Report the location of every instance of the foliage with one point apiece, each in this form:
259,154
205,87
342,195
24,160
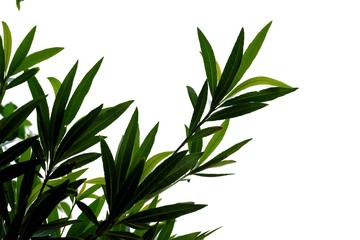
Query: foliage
41,175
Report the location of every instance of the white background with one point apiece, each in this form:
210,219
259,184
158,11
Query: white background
299,176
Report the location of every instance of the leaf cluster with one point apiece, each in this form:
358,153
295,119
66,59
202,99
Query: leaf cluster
41,176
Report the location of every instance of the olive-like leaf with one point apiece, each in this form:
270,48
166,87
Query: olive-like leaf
55,83
21,52
88,212
80,93
37,57
122,235
163,213
213,174
152,162
26,76
2,62
209,61
204,133
7,44
167,229
236,111
82,159
88,192
192,95
199,108
250,53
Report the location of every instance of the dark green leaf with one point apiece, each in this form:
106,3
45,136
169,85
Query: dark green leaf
151,233
213,174
199,108
37,57
163,213
61,170
231,67
88,212
82,159
124,152
82,145
2,62
89,191
192,95
152,162
80,93
26,76
250,53
214,141
221,156
15,151
189,236
11,123
21,52
209,61
259,96
76,131
122,235
236,111
110,173
7,44
57,114
63,222
204,133
167,229
205,234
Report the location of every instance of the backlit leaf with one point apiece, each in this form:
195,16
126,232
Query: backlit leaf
7,44
55,83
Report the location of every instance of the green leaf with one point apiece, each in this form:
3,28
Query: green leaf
167,229
7,44
65,207
80,93
8,109
144,150
250,53
57,114
110,173
236,111
122,235
152,162
82,159
88,192
259,96
258,81
151,233
189,236
76,131
214,141
204,133
26,76
231,67
98,180
192,95
2,62
61,170
213,174
221,156
163,213
209,61
125,148
10,124
82,145
199,108
37,57
88,212
16,150
57,224
55,83
21,52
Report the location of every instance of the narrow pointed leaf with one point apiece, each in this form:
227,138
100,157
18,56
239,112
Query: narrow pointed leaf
213,174
259,96
250,53
236,111
57,224
88,192
152,162
231,67
221,156
80,93
209,61
61,171
199,108
37,57
122,235
15,151
21,52
189,236
2,62
125,149
204,133
11,123
88,212
258,81
7,44
26,76
167,229
163,213
76,131
151,233
192,95
82,145
214,141
82,159
55,83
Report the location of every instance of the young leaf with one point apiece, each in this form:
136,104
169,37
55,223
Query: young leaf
2,62
152,162
55,83
88,192
26,76
199,108
250,53
209,61
231,67
192,95
37,57
7,44
163,213
236,111
80,93
257,81
21,52
264,95
214,141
